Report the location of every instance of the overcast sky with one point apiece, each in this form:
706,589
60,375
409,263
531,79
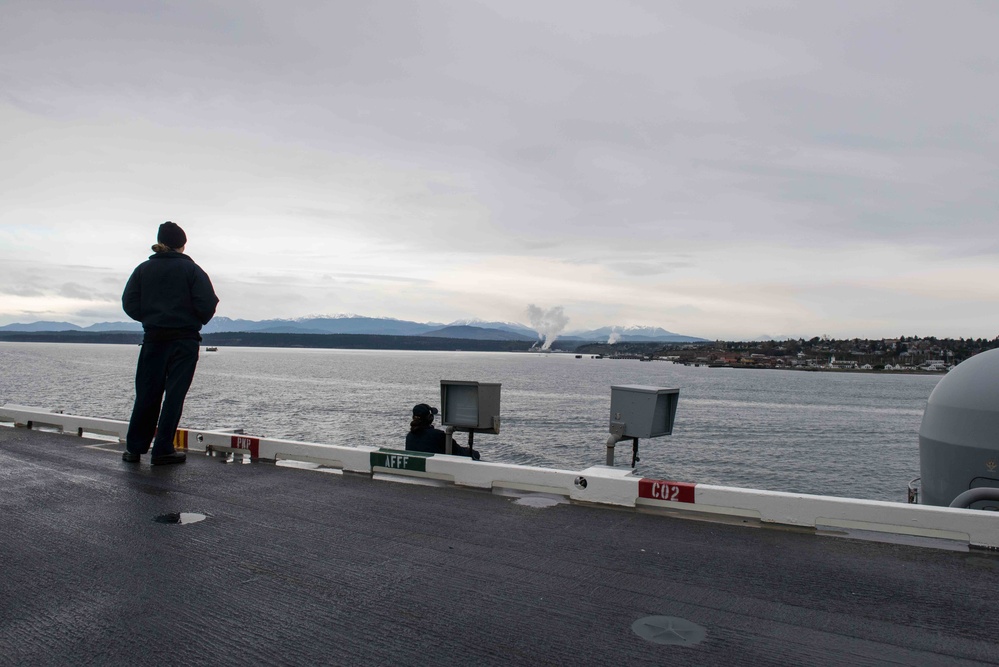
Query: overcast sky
718,169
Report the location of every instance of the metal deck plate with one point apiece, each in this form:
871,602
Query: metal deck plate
292,567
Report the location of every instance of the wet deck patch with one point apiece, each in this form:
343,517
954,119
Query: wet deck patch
539,500
669,630
180,517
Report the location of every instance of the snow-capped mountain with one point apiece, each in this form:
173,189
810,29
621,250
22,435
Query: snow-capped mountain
384,326
632,334
41,326
514,327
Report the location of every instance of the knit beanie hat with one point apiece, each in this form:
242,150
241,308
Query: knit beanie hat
171,235
423,410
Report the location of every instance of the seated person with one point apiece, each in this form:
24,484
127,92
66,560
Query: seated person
423,437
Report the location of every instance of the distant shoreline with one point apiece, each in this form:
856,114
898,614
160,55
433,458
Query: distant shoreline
376,342
313,341
838,370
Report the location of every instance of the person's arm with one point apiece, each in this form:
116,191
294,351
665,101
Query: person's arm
203,296
461,450
131,298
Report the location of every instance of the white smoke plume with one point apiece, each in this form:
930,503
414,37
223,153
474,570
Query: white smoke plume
548,323
613,338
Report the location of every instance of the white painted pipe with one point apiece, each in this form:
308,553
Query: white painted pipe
974,495
599,484
612,440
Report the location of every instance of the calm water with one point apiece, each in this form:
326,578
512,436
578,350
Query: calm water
851,435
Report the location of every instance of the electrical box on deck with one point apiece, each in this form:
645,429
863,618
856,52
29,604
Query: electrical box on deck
638,411
471,406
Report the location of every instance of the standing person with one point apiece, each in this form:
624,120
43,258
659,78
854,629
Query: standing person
172,297
423,437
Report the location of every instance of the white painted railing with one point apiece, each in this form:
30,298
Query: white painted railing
599,485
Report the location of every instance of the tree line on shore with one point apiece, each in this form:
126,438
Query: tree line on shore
909,349
905,350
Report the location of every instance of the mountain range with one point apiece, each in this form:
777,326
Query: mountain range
356,324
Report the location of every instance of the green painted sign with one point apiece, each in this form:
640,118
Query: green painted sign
400,460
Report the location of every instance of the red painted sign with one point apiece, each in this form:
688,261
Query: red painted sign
250,444
660,489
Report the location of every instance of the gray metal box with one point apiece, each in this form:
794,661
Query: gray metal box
638,411
471,406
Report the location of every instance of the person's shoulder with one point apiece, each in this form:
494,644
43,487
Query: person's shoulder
417,441
141,266
184,263
194,266
170,254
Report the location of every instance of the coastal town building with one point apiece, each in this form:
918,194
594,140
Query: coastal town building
904,354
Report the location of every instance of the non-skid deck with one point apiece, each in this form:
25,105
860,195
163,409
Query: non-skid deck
302,567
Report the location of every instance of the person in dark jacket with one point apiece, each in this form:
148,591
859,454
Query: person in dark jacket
172,297
423,437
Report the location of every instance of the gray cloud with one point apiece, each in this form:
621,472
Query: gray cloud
374,277
21,290
103,315
692,143
647,268
77,291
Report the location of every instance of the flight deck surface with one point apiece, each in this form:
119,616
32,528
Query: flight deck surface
302,567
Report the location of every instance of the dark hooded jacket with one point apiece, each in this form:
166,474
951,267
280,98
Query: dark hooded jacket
433,441
171,295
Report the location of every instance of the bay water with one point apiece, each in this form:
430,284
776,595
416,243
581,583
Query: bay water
840,434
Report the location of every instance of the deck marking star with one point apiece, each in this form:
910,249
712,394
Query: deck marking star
669,630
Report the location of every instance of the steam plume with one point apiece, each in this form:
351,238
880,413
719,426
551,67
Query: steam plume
548,323
613,338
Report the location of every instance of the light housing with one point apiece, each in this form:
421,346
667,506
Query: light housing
471,406
640,411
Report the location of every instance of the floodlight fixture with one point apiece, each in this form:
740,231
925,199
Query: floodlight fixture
472,407
640,411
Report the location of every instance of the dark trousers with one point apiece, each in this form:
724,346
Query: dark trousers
162,376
